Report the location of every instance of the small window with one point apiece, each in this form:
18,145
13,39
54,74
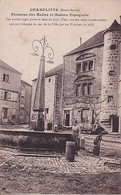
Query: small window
14,97
2,94
111,72
85,66
13,114
6,95
84,89
5,113
91,65
90,89
9,96
78,68
49,80
47,110
110,98
113,47
78,90
5,78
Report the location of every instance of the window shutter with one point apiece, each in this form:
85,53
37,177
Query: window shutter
2,77
9,96
16,97
2,94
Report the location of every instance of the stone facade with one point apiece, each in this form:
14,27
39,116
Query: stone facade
110,76
91,81
53,97
76,103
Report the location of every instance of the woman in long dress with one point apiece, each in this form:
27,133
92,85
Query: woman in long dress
75,134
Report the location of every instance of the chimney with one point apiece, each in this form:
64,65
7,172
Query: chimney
120,20
80,40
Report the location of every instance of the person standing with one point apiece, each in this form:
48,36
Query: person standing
75,135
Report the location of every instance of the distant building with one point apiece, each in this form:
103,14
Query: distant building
53,97
9,94
92,77
15,96
25,102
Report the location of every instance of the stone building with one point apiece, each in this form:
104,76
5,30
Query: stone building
91,81
53,97
9,94
25,102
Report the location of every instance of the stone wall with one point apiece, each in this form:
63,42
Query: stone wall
110,76
70,100
53,99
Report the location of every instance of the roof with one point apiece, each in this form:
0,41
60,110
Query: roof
114,26
25,83
96,40
53,71
5,66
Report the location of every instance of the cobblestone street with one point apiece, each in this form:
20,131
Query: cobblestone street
18,169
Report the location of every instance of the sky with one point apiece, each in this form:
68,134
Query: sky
16,41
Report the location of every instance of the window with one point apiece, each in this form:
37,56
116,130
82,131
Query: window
91,65
5,95
5,78
78,90
90,89
47,110
8,95
14,96
85,66
113,47
1,94
66,117
47,113
49,80
78,68
13,114
111,72
84,89
87,89
110,98
5,113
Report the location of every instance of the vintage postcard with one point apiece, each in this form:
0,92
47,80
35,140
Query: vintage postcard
60,97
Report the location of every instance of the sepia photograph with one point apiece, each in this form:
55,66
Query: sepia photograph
60,97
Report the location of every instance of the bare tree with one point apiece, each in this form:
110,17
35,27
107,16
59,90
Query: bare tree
95,107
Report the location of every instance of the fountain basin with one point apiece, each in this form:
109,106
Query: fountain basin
34,140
